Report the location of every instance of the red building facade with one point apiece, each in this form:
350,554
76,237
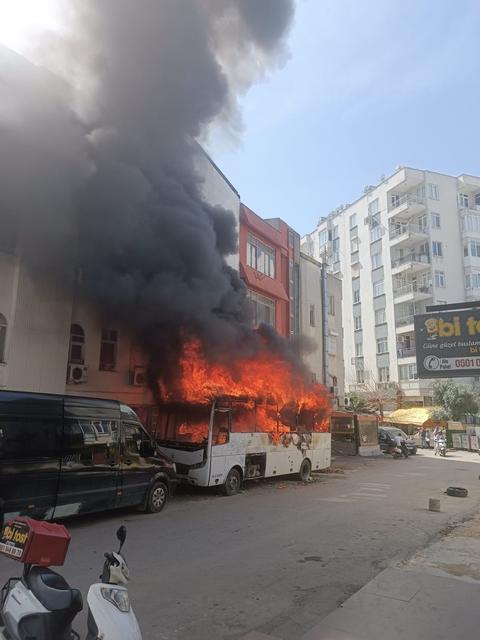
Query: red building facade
269,266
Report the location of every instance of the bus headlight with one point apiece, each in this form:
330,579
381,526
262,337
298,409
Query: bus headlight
118,597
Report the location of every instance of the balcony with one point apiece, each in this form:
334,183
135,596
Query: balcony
411,292
404,324
473,293
403,352
412,262
405,207
406,235
416,387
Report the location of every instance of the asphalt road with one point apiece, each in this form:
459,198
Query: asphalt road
279,556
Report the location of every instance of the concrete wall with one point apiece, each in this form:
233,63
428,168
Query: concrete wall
328,365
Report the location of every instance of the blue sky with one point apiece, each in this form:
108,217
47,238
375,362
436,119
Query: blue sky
368,85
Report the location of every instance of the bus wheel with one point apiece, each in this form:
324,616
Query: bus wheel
157,497
305,470
232,483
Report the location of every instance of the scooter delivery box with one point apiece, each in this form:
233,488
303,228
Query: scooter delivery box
34,542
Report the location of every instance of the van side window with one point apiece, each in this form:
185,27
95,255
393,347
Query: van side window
81,431
29,438
220,427
135,436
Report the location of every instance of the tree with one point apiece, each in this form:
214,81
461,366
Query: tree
454,400
375,397
357,403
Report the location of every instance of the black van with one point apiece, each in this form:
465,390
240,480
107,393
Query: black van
63,455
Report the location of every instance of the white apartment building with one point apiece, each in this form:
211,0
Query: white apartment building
411,241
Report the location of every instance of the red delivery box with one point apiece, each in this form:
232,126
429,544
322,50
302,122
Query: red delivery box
33,542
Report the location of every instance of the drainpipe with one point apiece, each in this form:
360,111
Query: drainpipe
324,295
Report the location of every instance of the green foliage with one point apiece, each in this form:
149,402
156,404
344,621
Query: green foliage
358,403
456,400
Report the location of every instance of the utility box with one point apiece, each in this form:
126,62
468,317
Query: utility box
33,542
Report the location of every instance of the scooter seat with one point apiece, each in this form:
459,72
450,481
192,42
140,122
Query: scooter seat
53,591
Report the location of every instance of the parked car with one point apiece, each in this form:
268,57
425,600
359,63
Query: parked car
387,435
64,455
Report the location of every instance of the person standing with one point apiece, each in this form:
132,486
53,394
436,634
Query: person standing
436,437
423,436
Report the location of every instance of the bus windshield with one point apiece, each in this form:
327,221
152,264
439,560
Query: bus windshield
183,424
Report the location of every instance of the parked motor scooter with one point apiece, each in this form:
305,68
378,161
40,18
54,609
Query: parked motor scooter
442,447
40,605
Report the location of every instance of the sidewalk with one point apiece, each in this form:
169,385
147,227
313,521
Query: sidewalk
432,596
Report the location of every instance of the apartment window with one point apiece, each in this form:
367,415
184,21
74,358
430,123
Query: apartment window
471,222
380,316
331,305
421,193
312,315
360,374
377,260
108,350
336,257
435,220
332,345
472,281
375,233
260,257
440,279
474,249
437,249
382,345
422,222
356,296
433,193
353,221
335,233
263,309
359,349
357,322
323,237
373,207
378,288
407,372
383,374
463,200
353,245
3,337
77,345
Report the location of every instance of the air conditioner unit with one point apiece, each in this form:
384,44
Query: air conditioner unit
138,377
76,373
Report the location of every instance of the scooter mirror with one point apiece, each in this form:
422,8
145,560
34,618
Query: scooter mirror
122,536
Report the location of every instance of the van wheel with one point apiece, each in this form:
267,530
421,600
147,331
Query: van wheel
157,497
233,483
305,470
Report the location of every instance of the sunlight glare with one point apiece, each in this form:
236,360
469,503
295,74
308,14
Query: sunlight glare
22,20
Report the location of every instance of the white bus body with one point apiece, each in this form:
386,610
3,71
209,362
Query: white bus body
254,454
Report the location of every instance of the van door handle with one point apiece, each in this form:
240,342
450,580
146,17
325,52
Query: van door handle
128,461
112,463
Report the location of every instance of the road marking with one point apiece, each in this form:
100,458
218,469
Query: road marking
376,484
367,495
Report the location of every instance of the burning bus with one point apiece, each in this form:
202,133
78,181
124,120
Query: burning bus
254,419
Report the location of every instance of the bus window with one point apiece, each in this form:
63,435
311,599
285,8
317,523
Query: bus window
243,417
267,418
220,427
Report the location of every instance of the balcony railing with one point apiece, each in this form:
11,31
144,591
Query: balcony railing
404,321
400,230
407,199
403,352
423,258
412,287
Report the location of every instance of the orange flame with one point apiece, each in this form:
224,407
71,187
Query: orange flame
265,380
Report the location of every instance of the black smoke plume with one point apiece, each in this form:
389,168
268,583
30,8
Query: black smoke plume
104,165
